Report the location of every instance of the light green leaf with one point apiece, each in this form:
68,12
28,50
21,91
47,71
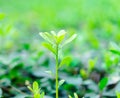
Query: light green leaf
70,39
118,94
47,37
61,36
114,48
42,95
65,61
69,96
49,47
30,88
2,15
35,86
83,73
75,95
103,83
37,96
61,82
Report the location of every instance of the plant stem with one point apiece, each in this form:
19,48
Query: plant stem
57,71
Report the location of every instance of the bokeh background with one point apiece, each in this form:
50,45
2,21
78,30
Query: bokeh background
23,58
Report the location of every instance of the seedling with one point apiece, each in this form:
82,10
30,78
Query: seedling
36,90
54,43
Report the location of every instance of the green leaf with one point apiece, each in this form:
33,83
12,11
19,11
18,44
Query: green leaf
37,96
42,95
83,73
49,47
60,36
65,61
69,96
70,39
2,15
118,94
61,82
75,95
47,37
30,88
114,48
103,83
35,86
92,64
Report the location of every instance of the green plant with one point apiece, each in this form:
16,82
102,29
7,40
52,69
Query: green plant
36,90
55,43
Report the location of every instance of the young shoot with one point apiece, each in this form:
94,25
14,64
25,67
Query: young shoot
54,43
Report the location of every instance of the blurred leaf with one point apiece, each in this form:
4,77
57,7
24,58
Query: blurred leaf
2,15
47,37
75,95
61,82
65,61
60,36
70,39
35,86
103,83
49,47
118,94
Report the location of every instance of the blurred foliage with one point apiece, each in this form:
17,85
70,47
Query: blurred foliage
95,52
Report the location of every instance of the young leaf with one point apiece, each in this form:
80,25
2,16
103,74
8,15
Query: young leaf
49,47
47,37
61,82
103,83
35,86
114,48
83,73
30,88
37,96
69,96
65,61
118,94
70,39
42,95
75,95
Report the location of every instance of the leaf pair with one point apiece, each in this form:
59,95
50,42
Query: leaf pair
36,90
75,96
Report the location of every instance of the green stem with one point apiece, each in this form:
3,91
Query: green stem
57,65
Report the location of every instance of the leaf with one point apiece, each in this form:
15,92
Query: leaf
75,95
61,82
35,86
83,73
47,37
118,94
91,64
114,48
50,73
70,39
49,47
69,96
2,15
37,96
30,88
60,36
103,83
65,61
42,95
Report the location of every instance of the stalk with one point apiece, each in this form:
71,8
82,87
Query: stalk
57,71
